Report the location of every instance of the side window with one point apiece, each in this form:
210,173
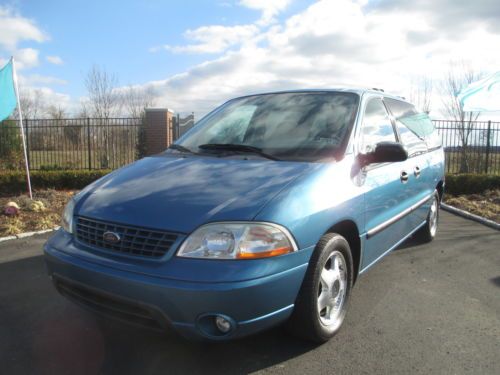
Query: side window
413,127
376,126
408,138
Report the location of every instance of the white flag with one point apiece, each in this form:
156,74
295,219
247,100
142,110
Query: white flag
482,96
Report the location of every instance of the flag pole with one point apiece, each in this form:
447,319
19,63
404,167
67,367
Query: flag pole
19,111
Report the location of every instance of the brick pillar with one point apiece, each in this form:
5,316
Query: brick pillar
159,129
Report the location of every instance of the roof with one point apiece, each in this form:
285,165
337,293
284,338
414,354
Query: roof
354,90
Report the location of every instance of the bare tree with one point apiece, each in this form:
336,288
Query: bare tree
70,131
84,111
135,100
103,99
32,104
56,112
103,102
421,93
458,77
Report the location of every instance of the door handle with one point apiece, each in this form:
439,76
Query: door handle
404,177
416,172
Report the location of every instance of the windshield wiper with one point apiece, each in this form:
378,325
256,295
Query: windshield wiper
237,148
180,148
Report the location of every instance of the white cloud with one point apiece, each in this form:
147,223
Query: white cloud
219,38
56,60
332,43
269,8
40,80
213,39
36,101
14,29
26,58
52,97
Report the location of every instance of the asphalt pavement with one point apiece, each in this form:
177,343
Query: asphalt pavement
424,309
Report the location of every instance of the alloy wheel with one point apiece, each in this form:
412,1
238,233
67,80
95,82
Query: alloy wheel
332,290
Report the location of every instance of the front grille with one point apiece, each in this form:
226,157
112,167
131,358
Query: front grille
134,241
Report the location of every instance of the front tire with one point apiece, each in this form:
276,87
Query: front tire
429,230
322,302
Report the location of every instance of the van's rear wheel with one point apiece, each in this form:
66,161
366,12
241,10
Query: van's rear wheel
429,230
322,301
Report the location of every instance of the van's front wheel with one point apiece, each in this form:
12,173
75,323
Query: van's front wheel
322,301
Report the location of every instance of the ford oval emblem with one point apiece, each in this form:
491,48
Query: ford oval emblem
111,237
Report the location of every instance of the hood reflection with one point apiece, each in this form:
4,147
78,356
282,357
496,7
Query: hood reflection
176,193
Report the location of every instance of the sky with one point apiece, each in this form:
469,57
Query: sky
197,54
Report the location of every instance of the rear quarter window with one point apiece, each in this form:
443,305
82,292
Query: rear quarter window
415,128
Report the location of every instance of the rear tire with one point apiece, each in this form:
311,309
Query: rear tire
322,302
429,230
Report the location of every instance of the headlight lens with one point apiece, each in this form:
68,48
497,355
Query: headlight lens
67,216
237,241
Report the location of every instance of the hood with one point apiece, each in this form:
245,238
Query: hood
175,193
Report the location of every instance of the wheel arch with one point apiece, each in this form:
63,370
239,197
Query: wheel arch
440,189
349,230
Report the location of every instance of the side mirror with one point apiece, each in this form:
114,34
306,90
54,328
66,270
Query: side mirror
385,152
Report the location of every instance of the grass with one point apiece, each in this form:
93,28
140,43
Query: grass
476,162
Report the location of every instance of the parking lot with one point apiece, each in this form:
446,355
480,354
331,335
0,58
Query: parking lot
423,309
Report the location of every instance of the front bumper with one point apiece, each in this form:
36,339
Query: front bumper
251,305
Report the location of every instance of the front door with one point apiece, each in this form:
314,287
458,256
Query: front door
386,186
408,123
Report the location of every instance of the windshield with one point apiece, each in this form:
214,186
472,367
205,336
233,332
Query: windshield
290,126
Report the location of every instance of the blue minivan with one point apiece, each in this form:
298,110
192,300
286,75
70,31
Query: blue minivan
266,212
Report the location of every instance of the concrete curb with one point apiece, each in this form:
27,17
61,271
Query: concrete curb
468,215
27,234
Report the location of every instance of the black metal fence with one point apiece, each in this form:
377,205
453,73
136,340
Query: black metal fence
182,125
84,143
470,147
91,143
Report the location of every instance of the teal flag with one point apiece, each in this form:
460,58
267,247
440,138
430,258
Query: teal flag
482,96
7,92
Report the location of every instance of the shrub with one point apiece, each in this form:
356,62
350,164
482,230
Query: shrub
11,155
14,182
52,167
457,184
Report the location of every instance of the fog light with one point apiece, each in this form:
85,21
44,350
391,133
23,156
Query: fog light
222,324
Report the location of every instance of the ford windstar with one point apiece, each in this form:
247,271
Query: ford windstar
267,211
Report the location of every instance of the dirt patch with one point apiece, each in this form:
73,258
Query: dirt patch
34,217
486,204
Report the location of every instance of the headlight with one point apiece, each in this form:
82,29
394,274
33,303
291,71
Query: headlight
237,241
67,216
